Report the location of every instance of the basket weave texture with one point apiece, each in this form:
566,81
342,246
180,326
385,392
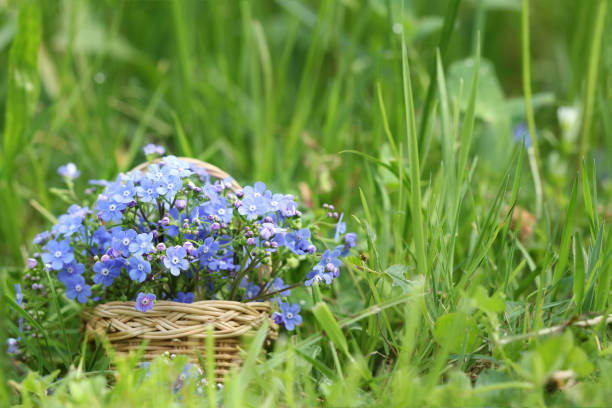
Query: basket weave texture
181,328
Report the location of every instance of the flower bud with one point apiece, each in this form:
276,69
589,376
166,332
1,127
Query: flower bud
249,234
250,241
181,204
31,263
268,219
161,246
274,244
165,221
155,233
104,258
266,244
188,246
215,226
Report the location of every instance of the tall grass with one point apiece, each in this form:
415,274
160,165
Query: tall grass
389,110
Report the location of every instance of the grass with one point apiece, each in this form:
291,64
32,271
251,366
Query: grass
482,267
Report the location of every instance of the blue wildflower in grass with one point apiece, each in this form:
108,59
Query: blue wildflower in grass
76,288
184,297
268,230
298,242
340,228
69,171
106,271
175,260
146,191
289,315
144,302
138,268
317,275
208,250
122,240
110,210
151,149
143,244
331,262
69,271
58,254
520,132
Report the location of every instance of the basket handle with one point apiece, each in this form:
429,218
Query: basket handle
210,169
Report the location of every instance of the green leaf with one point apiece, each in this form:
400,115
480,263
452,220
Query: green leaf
493,304
397,273
327,321
578,272
457,331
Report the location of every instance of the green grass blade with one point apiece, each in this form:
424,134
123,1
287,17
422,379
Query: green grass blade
415,171
565,239
447,29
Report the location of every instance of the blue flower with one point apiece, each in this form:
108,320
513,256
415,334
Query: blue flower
184,297
290,315
122,240
69,171
252,208
78,289
298,242
279,284
153,149
350,240
123,192
67,224
175,260
139,268
317,275
12,346
106,271
277,318
340,228
172,166
18,294
219,208
258,190
110,210
521,132
143,244
252,290
224,264
70,271
42,237
101,239
58,254
144,302
168,186
147,191
208,250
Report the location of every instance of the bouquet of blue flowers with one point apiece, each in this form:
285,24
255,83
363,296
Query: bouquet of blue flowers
172,231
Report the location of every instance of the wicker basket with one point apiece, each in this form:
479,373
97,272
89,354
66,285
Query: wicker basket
181,328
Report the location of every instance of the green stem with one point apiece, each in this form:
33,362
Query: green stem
533,150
